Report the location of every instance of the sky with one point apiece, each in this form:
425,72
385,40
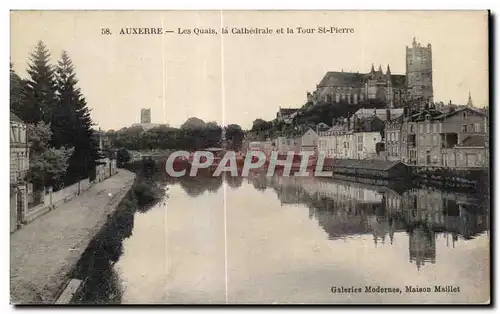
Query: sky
239,78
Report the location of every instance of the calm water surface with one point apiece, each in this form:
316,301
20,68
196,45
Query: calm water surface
290,239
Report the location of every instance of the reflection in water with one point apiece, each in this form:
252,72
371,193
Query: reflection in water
288,239
196,186
345,209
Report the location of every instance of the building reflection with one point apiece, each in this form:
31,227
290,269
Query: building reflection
346,209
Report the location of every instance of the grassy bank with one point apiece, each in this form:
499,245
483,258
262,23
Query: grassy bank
95,266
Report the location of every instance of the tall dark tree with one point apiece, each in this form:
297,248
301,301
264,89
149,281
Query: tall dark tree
64,121
17,86
235,135
72,124
39,101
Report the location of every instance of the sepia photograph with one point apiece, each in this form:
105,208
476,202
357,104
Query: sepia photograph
233,157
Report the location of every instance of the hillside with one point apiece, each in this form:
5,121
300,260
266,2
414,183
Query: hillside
325,112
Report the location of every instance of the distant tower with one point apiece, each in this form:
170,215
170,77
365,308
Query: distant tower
371,84
389,92
469,102
145,115
223,139
419,72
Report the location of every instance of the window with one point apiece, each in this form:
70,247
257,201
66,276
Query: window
428,128
434,128
15,133
477,127
421,129
411,128
463,128
464,115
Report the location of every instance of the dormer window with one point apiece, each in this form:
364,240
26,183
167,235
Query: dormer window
464,114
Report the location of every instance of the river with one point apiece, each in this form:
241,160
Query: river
215,240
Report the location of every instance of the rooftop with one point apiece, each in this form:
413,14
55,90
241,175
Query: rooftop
380,113
334,78
362,164
15,118
473,141
288,110
449,114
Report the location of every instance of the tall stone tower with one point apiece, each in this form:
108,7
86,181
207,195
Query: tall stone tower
390,96
419,73
145,115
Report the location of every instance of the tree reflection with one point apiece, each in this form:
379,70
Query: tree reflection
259,181
199,184
234,181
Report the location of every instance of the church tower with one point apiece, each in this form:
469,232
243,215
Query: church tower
419,73
390,99
371,84
469,102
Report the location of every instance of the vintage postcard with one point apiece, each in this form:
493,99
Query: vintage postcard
249,157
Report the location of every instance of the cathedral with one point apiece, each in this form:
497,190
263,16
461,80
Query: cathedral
391,90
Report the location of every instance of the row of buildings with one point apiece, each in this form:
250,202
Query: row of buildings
27,204
439,136
412,128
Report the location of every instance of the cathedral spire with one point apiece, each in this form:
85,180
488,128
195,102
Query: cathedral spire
373,69
388,70
469,102
380,68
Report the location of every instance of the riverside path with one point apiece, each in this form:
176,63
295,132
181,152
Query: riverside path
43,252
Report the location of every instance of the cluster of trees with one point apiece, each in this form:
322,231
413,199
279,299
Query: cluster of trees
262,130
193,134
63,148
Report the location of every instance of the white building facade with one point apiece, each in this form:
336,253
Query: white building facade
365,144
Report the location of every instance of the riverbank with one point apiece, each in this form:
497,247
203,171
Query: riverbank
95,268
44,251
